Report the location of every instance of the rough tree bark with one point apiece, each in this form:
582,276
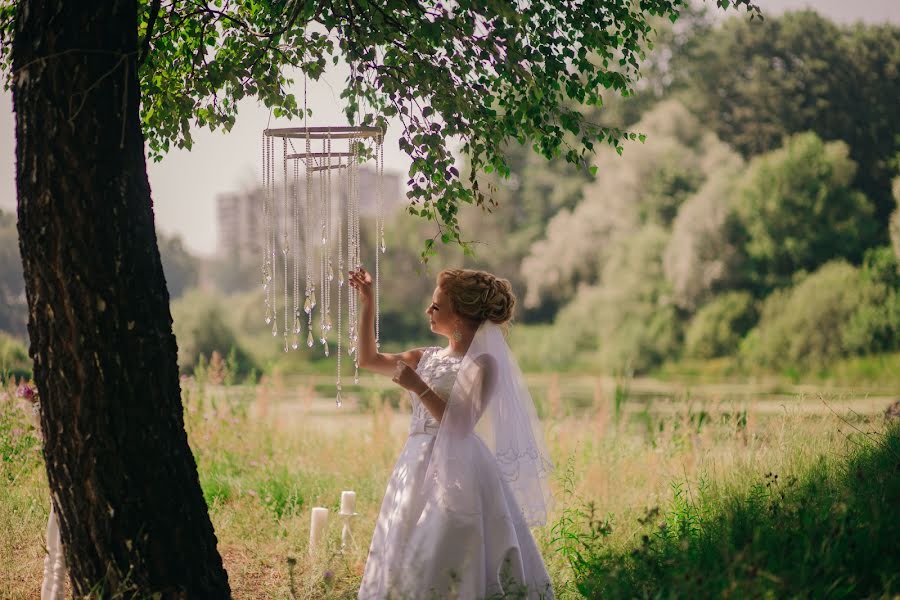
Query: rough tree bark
123,479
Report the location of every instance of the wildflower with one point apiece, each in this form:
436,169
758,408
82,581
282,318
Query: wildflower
27,392
328,577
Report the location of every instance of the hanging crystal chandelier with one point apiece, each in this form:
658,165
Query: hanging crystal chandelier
304,230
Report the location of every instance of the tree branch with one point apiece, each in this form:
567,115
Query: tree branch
151,23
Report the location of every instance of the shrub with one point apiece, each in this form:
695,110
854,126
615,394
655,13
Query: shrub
805,326
875,326
201,329
718,327
14,360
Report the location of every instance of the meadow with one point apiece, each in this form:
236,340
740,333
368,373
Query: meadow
662,489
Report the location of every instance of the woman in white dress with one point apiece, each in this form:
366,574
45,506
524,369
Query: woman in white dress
472,477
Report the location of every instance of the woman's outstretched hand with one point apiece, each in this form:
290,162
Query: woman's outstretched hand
361,280
406,377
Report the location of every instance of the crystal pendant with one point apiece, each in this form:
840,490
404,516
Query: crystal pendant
296,343
307,306
312,300
274,328
330,273
337,399
382,246
296,326
350,350
309,340
268,315
285,344
328,322
322,340
326,347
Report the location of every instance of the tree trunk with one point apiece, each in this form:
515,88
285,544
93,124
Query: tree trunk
122,477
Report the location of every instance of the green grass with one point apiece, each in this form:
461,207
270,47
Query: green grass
268,453
829,529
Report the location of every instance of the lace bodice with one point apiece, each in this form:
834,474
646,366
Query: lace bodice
438,369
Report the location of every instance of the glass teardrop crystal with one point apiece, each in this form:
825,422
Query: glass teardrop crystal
309,340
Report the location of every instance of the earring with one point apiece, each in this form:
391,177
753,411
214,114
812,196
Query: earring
457,334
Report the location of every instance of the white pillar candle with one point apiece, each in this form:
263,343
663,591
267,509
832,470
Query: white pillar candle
348,503
317,527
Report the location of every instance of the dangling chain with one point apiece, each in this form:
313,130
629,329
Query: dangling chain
296,262
285,215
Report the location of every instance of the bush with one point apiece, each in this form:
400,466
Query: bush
875,326
718,327
803,326
14,360
201,329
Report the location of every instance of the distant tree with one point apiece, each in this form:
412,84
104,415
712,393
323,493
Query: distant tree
755,83
895,220
705,252
626,320
13,309
179,266
798,210
646,185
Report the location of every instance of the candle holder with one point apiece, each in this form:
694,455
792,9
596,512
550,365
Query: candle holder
346,534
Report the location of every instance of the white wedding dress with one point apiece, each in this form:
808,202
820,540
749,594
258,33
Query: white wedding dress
419,550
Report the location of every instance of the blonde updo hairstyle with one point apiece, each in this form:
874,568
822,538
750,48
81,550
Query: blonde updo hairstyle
478,296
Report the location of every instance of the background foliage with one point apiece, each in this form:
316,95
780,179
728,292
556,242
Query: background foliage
763,172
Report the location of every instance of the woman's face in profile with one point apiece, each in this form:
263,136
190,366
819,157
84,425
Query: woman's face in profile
440,313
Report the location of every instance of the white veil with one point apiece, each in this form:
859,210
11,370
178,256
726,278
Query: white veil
489,398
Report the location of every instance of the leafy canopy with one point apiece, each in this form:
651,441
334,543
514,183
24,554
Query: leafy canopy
483,72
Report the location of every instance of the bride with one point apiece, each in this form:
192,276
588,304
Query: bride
472,476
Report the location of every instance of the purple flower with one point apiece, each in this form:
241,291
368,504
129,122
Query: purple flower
328,576
27,392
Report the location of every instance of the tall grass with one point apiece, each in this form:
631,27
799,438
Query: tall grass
268,453
825,527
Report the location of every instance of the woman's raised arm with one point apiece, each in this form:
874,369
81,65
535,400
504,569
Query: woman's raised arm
369,357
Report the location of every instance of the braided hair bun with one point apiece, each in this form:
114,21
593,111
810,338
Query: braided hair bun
478,295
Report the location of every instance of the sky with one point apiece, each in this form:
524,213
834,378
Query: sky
185,183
